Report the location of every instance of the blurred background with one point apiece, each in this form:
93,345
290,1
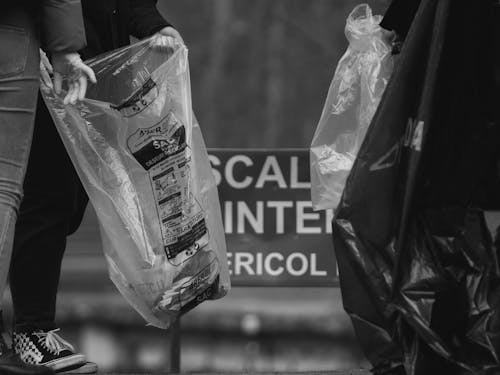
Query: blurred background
260,72
261,69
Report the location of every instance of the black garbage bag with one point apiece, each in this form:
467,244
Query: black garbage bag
419,272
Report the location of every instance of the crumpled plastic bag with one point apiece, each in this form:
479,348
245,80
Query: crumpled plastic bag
140,154
355,92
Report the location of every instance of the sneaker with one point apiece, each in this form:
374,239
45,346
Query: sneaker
11,364
46,348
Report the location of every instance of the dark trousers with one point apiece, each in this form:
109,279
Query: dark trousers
52,208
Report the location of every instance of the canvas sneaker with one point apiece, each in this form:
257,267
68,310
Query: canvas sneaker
46,348
11,364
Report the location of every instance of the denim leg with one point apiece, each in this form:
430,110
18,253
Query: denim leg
19,81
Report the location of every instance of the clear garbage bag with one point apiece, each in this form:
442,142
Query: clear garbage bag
140,154
359,81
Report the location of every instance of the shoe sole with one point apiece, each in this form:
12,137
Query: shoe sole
87,368
66,362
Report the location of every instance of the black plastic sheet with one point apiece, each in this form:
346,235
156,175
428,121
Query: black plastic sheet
418,268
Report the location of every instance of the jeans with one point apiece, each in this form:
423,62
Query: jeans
19,82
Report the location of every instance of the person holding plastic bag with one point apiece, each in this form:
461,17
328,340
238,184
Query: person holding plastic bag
355,92
140,155
55,200
62,27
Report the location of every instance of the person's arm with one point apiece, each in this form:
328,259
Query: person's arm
145,19
399,16
62,26
63,34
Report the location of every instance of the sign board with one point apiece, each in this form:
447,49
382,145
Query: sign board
274,238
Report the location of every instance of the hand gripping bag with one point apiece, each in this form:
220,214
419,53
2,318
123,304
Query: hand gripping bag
140,154
355,92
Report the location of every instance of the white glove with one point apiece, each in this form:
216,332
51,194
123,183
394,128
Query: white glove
167,40
171,32
45,70
71,67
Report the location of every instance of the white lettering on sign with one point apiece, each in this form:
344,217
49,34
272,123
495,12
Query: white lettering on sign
274,264
280,213
314,267
270,173
258,269
328,219
268,264
228,217
215,161
302,217
294,175
275,217
246,215
244,261
303,264
229,172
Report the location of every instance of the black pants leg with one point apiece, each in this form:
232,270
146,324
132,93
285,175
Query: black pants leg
52,207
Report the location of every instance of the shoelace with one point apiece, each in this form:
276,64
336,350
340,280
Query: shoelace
53,342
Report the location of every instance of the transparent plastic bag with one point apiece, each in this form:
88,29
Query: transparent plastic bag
139,152
360,79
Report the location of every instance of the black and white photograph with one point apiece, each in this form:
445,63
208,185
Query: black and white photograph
250,187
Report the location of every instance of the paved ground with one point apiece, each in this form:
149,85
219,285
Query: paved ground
346,372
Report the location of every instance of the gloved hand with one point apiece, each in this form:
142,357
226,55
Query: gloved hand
71,67
167,39
171,32
45,70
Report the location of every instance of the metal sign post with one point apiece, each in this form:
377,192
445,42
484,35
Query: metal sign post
175,347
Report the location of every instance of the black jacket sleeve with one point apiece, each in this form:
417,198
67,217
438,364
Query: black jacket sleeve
62,26
145,19
400,15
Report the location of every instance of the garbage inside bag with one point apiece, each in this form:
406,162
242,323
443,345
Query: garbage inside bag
139,152
359,81
419,272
